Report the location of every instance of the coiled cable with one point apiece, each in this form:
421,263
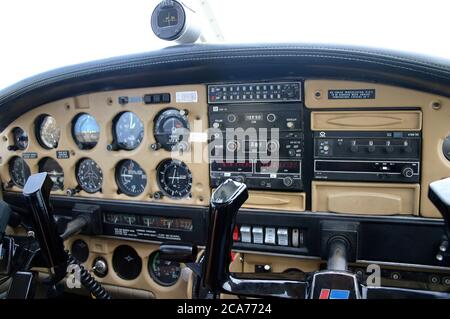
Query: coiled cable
94,287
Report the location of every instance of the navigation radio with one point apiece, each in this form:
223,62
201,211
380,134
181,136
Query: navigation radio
258,134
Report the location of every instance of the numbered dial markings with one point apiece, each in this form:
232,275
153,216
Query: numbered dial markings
89,176
19,171
164,272
128,131
174,178
171,129
131,178
48,133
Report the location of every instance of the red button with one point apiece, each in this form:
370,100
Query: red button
236,233
324,294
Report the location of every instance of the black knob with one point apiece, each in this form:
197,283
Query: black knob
407,172
155,146
371,148
389,149
354,148
239,179
288,181
231,118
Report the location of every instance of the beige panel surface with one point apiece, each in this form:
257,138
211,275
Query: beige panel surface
278,264
365,198
435,123
104,247
363,120
276,201
104,107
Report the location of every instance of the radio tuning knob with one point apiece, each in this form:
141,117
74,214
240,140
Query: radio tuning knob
271,117
407,172
231,118
288,181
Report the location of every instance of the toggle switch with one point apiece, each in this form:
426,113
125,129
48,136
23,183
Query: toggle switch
257,235
246,236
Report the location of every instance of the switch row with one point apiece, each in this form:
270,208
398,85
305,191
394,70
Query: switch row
281,236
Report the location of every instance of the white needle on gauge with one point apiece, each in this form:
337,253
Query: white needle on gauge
174,175
132,124
126,175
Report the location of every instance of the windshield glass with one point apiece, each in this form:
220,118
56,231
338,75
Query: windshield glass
41,35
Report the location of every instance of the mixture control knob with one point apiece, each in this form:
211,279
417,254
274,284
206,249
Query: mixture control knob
100,267
407,172
288,181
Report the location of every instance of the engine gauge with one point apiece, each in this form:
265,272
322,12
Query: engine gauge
19,171
54,170
86,131
131,178
47,132
128,131
89,175
20,139
164,272
174,178
171,128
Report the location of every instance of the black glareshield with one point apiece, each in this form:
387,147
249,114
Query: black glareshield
225,203
37,193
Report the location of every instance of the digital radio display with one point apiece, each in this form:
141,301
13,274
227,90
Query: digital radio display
244,166
272,167
149,221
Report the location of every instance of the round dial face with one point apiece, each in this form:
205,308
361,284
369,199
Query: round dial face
174,178
168,20
89,175
130,178
20,138
129,131
48,132
86,131
164,272
54,170
19,171
171,128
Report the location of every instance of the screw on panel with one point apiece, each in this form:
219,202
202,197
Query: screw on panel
318,94
436,105
67,106
109,101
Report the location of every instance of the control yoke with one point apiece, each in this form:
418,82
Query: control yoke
37,193
216,277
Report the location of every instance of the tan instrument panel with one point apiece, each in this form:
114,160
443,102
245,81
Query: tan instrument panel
105,107
432,116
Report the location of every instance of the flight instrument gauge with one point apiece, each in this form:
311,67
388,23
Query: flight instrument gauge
19,171
171,129
128,131
131,178
47,131
54,170
174,178
164,272
20,139
85,131
89,175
